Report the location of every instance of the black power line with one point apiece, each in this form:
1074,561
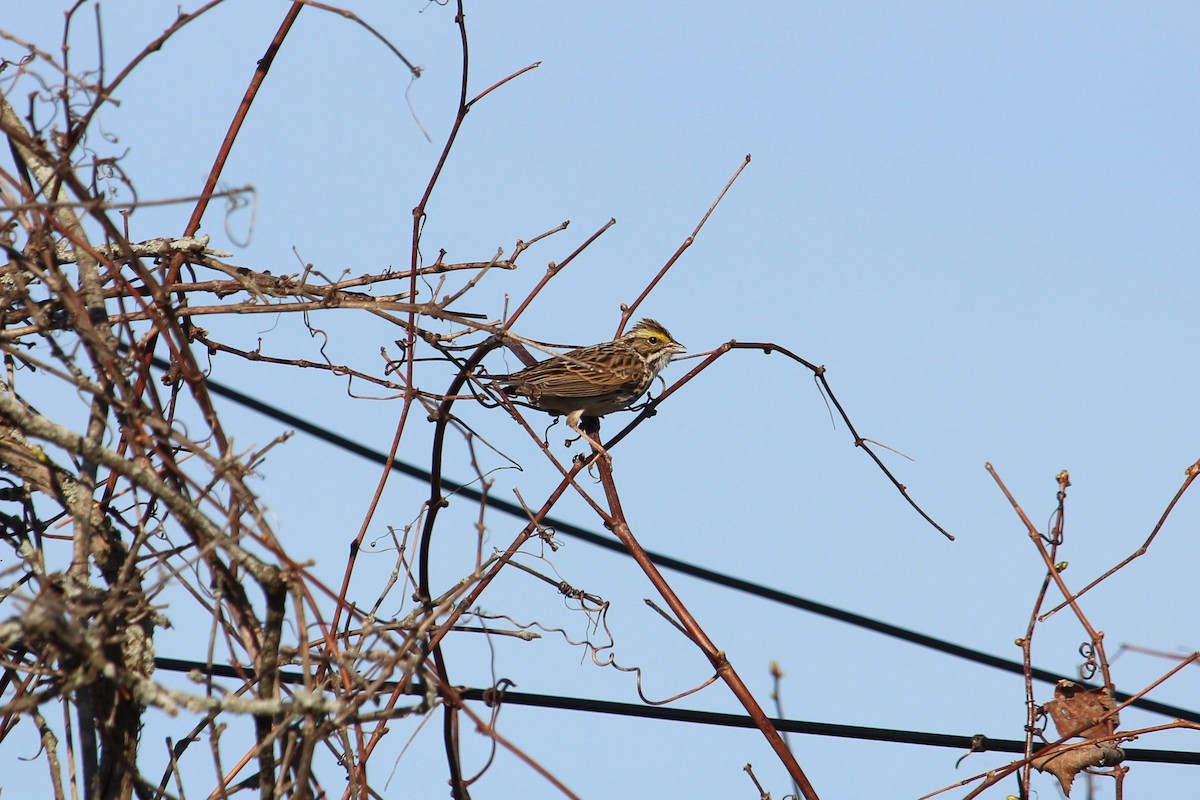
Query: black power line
700,717
684,567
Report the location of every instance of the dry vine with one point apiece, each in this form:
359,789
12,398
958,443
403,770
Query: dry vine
1082,711
135,492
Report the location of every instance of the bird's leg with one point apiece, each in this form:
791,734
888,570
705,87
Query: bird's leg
589,430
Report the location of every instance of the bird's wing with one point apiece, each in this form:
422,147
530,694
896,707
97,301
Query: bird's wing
569,376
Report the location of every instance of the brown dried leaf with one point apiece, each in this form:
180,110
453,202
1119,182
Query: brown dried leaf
1075,707
1066,764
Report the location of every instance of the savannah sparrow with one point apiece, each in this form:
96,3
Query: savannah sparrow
596,380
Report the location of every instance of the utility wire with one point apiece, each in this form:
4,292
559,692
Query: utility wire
684,567
558,702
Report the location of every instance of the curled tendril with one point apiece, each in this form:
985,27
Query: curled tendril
1089,666
1054,534
1038,728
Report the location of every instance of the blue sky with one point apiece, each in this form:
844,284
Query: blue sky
981,218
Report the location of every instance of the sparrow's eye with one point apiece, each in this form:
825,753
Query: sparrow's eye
652,340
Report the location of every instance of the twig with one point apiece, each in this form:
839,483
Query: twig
1191,474
628,311
614,519
819,372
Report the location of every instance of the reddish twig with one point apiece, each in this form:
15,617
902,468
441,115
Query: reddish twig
1096,637
1191,474
553,270
235,127
818,373
1026,642
614,519
627,311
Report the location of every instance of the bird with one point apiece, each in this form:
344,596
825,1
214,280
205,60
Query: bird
592,381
